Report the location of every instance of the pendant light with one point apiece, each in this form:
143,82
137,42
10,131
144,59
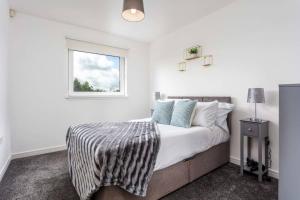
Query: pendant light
133,10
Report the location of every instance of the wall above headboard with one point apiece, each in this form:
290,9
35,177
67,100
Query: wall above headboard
249,51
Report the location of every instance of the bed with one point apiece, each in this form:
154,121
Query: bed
187,164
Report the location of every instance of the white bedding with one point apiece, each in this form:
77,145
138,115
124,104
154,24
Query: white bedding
179,143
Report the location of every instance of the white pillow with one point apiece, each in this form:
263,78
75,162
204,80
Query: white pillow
205,114
223,110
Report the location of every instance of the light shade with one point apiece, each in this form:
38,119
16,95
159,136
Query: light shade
133,10
256,95
156,95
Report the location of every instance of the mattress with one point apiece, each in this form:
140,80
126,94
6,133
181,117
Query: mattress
179,143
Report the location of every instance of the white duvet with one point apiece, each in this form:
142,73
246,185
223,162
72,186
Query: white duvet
178,143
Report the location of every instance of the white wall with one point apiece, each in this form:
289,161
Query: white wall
40,114
254,44
4,128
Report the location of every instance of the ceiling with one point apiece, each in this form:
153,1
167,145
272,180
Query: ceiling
162,16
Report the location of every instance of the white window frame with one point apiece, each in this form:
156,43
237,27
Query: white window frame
88,47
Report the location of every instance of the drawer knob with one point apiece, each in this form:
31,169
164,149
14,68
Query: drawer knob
250,129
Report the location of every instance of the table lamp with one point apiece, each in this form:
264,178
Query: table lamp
157,96
256,95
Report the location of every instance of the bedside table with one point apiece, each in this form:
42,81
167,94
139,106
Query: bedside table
260,130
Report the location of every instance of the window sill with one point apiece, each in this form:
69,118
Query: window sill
83,97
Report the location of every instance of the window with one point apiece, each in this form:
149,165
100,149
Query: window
96,70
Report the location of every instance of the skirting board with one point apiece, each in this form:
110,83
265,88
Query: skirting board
272,173
38,151
4,168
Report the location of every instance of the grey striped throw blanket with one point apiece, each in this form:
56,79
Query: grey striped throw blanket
112,153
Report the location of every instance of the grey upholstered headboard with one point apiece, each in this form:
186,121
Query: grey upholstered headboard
208,99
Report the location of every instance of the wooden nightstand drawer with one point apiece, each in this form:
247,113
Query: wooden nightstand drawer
250,129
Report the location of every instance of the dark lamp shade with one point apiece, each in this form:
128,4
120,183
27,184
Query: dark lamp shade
133,10
156,95
256,95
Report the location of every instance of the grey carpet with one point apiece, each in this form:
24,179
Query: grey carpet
46,177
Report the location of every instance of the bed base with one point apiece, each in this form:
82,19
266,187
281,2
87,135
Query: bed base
174,177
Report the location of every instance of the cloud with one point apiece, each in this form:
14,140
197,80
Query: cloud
101,71
90,61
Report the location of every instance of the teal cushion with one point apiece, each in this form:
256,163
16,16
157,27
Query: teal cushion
183,113
163,112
